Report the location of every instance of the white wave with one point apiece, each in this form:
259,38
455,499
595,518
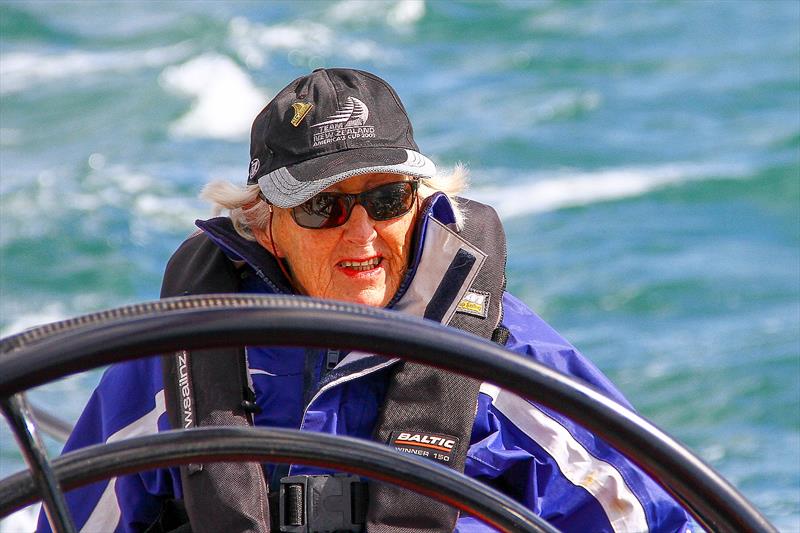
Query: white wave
22,70
154,204
225,99
541,194
406,13
307,44
50,313
173,214
256,42
120,179
399,15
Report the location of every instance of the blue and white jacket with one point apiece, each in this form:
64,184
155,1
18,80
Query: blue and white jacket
560,470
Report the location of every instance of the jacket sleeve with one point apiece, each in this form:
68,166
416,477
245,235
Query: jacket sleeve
128,402
563,472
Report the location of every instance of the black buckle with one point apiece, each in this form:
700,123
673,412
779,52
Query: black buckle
317,504
249,404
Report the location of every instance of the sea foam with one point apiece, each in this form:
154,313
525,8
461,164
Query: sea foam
399,15
225,99
23,70
307,44
539,194
51,312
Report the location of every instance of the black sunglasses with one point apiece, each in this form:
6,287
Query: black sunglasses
332,209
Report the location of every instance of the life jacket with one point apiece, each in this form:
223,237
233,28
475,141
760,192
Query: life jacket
202,388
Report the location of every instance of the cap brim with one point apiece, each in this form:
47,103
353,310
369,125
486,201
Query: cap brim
292,185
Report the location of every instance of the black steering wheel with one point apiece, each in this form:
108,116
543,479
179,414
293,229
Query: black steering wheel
53,351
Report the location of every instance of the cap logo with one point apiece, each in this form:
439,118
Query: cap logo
301,109
347,123
255,164
354,113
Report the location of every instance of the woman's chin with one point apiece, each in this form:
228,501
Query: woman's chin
370,299
365,290
373,296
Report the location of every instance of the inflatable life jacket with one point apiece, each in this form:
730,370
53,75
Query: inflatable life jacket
202,388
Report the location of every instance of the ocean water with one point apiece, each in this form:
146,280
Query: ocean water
644,156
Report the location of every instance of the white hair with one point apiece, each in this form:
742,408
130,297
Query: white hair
246,209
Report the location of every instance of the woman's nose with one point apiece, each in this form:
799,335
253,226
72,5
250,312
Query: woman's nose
360,228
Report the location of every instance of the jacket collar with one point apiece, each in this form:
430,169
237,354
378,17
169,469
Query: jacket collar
221,232
433,285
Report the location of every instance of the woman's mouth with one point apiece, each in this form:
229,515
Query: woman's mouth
355,266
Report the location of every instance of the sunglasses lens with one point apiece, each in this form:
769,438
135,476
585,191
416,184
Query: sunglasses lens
322,211
331,209
389,201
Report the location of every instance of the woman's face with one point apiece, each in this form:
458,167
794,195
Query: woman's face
362,261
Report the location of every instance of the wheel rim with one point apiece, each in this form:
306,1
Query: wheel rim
212,321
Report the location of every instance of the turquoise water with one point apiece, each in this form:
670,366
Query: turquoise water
645,158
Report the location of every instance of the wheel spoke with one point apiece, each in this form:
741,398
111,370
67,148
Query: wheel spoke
22,423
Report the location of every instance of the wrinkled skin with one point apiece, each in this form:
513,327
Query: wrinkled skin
315,256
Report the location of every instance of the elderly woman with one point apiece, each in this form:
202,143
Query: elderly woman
340,204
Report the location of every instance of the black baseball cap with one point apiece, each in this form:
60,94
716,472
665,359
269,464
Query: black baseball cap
329,126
